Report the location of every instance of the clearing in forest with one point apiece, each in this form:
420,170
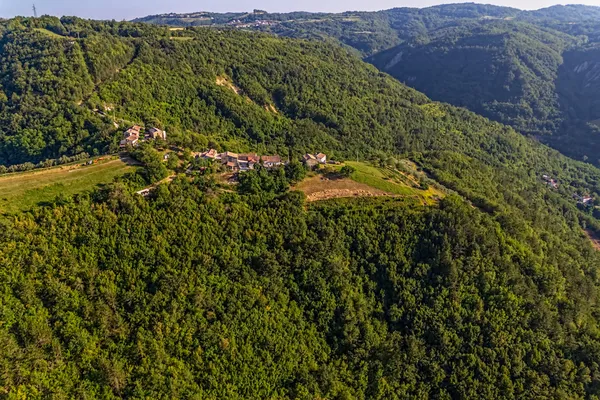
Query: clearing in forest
367,181
182,38
21,191
49,33
320,187
394,182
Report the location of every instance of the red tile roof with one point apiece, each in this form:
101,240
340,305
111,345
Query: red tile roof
249,157
271,159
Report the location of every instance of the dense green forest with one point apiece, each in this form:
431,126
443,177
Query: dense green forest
255,296
503,70
203,291
522,68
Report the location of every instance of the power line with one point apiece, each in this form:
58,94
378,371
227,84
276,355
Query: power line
34,11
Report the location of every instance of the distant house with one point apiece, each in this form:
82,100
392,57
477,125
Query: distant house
228,157
585,200
321,158
144,192
210,154
133,131
309,160
271,161
129,141
250,157
131,136
245,165
550,181
155,133
232,166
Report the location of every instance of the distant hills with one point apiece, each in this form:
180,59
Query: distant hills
367,32
533,70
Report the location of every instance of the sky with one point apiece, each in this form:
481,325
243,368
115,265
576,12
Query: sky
129,9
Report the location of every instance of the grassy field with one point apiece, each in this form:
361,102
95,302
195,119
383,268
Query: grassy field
49,33
367,181
182,38
392,181
22,191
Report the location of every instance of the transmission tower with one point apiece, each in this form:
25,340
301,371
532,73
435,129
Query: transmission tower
34,11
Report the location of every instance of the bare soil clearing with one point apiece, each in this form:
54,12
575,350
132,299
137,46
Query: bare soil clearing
320,188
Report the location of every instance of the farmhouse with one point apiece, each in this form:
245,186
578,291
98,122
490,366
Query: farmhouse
228,157
245,165
131,136
271,161
250,157
321,158
309,160
129,141
211,154
133,131
155,133
231,166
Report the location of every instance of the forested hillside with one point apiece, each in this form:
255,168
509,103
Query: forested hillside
538,80
504,70
506,64
212,291
191,295
367,32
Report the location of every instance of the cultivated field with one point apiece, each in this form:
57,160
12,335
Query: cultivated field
21,191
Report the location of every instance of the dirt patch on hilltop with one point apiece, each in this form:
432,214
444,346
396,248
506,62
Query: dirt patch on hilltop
321,188
337,193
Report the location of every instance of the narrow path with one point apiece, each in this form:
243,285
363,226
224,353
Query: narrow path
146,190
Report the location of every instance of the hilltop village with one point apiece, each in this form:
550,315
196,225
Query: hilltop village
244,162
133,135
233,162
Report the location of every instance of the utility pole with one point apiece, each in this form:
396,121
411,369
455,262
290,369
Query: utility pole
34,11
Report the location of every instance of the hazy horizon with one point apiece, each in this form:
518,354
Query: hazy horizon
113,9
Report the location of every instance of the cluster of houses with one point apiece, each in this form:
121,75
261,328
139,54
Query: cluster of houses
133,135
581,199
244,162
550,181
241,162
239,24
